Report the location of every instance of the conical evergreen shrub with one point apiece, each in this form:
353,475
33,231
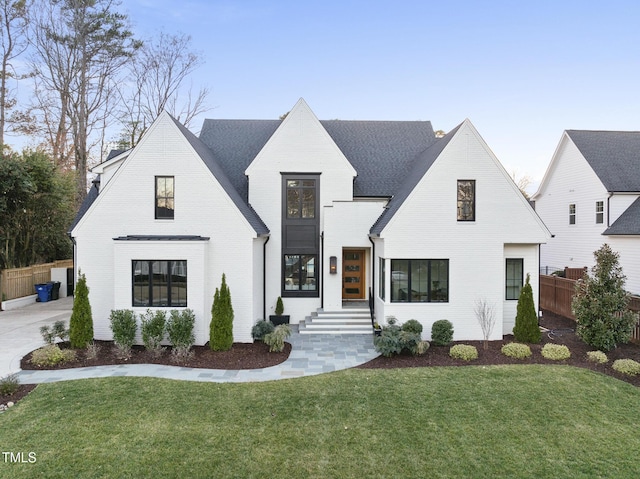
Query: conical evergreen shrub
526,329
81,322
221,327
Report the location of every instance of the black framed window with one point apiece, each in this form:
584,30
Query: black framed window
159,283
382,278
165,197
514,277
572,214
300,272
466,200
420,280
301,198
599,212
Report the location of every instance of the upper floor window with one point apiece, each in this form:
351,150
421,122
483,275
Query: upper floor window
572,214
599,212
301,198
466,200
514,277
165,197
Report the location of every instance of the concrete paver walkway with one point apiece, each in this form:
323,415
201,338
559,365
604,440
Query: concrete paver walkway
310,354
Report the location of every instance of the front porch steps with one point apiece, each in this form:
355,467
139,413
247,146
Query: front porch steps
346,321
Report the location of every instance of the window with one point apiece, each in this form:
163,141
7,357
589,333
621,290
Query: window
159,283
420,280
466,200
301,198
599,212
572,214
382,278
514,277
164,197
300,272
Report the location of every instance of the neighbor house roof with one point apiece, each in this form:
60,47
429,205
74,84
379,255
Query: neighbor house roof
613,155
381,152
628,223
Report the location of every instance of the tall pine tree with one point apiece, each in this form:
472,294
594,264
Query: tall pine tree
221,327
81,322
526,329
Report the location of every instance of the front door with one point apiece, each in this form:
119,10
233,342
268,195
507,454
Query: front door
353,274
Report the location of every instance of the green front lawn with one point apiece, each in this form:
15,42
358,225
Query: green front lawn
475,422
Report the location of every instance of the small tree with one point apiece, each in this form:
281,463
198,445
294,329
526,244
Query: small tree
81,322
485,315
526,329
221,328
600,303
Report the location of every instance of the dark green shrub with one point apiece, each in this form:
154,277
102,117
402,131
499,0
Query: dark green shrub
275,340
261,329
526,329
81,322
279,307
9,385
393,340
466,352
124,327
221,327
180,331
153,328
600,304
52,355
412,326
442,332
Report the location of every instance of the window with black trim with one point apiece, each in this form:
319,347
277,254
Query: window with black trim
420,280
300,272
514,277
572,214
382,278
599,212
159,283
165,197
301,198
466,200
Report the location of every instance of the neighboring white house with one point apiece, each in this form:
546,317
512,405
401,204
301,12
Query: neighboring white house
590,195
317,212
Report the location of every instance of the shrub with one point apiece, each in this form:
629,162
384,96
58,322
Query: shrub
221,327
555,352
52,355
49,334
123,326
279,307
600,304
180,332
463,351
627,366
412,326
81,322
526,329
442,332
597,357
393,339
92,351
275,339
261,328
9,385
422,348
516,350
153,328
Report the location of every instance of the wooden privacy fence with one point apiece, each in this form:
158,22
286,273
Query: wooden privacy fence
556,295
20,282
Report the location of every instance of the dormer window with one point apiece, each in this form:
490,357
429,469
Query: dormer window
165,197
466,200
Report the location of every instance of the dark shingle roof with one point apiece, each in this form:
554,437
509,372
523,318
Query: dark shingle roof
613,155
86,204
628,223
420,166
382,152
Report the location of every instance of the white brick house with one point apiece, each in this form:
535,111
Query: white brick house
317,212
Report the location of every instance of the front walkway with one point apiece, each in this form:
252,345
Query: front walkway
310,354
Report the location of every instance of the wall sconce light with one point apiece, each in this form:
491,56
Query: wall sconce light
333,265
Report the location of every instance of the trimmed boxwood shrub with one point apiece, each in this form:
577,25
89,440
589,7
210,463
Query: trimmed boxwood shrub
261,329
597,357
627,366
153,328
516,350
123,326
412,326
556,352
180,332
442,332
464,351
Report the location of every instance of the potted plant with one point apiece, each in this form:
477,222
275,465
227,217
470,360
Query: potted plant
377,330
279,318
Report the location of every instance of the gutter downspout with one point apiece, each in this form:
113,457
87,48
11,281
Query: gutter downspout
264,278
372,302
322,270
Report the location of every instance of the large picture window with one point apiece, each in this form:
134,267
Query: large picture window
165,198
514,278
300,272
159,283
420,280
466,200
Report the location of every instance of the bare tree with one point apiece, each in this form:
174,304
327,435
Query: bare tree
14,21
156,82
485,315
523,182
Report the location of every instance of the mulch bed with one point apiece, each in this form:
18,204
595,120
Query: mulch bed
257,356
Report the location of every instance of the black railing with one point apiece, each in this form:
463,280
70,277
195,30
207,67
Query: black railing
372,309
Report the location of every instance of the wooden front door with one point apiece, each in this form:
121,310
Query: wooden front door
353,277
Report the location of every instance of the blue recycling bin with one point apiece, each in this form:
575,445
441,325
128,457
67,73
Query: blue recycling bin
44,292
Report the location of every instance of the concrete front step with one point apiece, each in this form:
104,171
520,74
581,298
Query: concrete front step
352,321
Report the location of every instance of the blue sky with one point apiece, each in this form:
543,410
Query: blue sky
521,71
